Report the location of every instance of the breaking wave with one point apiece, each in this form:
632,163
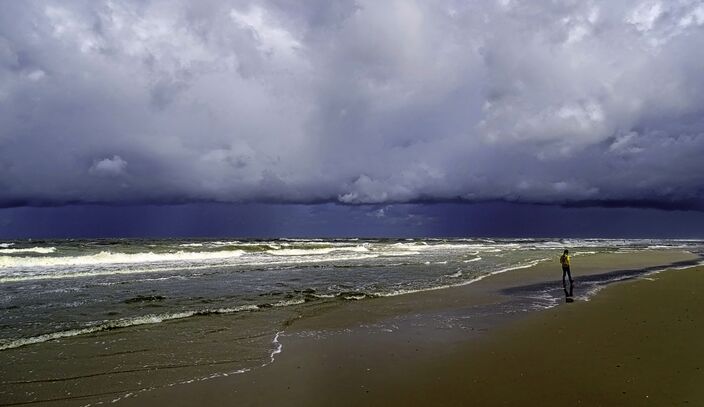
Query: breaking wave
314,251
40,250
106,257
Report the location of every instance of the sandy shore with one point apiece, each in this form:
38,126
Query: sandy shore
635,343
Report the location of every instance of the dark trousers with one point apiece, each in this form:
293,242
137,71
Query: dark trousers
566,272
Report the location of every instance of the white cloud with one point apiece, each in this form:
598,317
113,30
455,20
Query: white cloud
644,16
36,75
110,167
271,37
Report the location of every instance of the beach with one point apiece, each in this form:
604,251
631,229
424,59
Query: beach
502,338
635,343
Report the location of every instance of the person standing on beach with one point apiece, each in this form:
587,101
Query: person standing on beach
565,261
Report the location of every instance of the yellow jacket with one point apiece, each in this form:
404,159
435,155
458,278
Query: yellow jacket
565,260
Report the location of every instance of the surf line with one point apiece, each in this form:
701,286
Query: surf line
272,356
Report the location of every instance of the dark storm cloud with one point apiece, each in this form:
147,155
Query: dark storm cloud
575,102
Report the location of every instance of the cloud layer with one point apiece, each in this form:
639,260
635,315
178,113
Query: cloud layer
356,102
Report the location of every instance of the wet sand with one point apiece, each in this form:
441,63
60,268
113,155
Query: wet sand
634,343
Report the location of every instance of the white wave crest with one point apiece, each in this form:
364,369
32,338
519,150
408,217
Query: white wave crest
114,258
6,244
288,303
326,250
47,273
398,253
40,250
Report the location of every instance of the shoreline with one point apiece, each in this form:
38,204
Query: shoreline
332,343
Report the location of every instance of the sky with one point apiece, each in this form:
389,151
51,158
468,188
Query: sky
326,117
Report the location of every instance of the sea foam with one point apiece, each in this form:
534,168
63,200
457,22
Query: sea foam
40,250
107,257
317,251
119,323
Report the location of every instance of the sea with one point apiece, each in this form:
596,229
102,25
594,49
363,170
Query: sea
57,288
75,289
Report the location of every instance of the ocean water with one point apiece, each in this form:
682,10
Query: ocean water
63,288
